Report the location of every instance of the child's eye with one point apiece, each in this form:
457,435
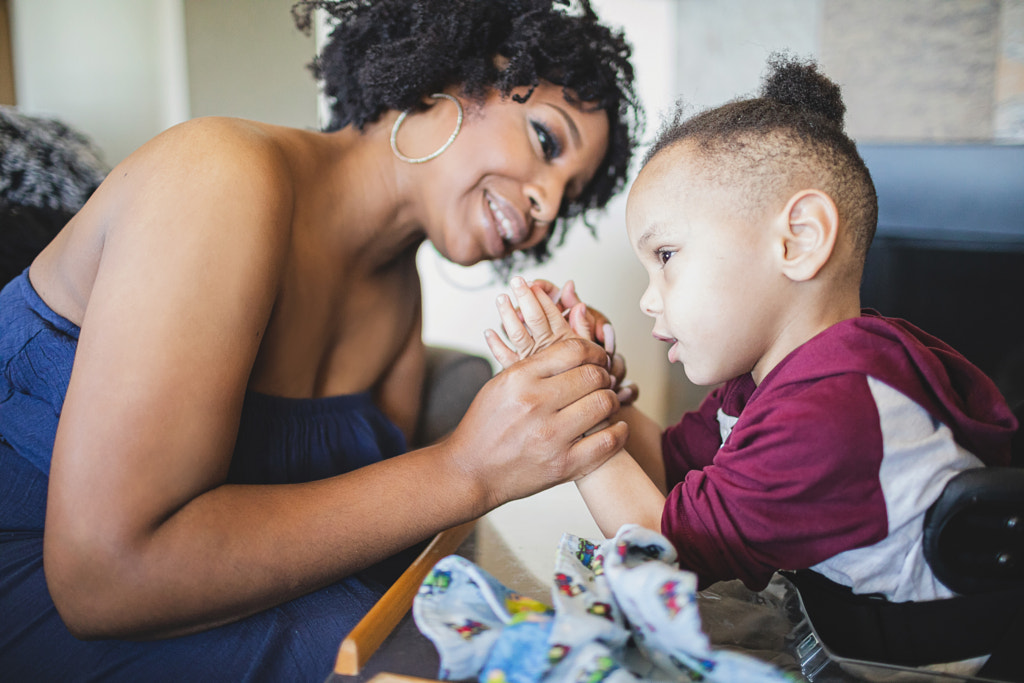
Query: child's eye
549,144
663,255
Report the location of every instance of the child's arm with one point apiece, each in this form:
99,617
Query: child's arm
619,491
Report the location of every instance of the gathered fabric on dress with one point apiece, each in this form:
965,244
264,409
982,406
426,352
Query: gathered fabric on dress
281,440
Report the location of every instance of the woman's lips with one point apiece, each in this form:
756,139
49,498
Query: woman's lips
508,221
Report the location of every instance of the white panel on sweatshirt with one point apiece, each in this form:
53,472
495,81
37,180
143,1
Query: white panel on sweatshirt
919,457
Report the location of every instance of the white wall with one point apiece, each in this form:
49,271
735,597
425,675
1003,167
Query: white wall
122,71
112,68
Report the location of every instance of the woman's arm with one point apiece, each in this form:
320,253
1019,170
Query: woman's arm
143,538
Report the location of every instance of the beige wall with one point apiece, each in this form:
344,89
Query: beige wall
247,59
916,69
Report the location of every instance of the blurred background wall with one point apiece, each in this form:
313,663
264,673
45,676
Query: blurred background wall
912,71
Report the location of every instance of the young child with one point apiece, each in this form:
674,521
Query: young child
832,429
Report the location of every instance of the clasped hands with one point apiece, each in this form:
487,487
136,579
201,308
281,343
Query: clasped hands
547,314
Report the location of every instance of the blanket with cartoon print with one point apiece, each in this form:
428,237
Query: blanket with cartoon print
622,611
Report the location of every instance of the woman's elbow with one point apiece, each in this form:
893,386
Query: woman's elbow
86,592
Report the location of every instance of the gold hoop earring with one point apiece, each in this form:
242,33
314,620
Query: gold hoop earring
436,153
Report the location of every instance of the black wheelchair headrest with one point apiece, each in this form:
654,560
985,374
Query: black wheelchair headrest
974,532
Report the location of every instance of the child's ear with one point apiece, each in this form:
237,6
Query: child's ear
810,226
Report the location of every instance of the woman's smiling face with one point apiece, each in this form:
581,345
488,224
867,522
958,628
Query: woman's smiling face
500,185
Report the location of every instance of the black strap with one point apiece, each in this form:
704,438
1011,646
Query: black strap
872,629
1007,660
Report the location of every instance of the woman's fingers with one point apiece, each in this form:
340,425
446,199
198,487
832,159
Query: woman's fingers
608,337
567,354
627,393
617,369
567,297
595,447
600,327
581,322
524,428
550,288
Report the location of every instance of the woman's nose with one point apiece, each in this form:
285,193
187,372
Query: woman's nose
545,198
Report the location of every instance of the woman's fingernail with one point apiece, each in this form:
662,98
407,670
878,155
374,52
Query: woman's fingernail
518,283
558,296
609,338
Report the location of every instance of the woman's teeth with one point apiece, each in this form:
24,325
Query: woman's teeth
504,224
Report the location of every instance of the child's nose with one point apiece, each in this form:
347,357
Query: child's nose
650,302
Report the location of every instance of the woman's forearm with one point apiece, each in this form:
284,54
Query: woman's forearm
236,550
166,551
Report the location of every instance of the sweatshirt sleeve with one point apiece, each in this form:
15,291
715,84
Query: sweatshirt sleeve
795,483
691,444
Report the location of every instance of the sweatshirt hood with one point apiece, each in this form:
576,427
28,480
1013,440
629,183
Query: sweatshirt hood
927,370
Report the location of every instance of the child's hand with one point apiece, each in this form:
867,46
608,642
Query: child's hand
538,323
566,299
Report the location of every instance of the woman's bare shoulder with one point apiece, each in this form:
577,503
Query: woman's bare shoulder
218,173
215,149
206,186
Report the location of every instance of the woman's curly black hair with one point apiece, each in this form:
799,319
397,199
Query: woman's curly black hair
390,54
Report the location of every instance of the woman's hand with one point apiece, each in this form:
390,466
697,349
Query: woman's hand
522,432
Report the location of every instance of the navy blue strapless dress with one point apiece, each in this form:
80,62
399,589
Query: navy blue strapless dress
280,441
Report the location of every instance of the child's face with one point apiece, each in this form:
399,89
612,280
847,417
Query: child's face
714,290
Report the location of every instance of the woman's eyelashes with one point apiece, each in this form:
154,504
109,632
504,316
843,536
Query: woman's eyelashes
550,146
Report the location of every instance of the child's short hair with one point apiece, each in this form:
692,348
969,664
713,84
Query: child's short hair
788,138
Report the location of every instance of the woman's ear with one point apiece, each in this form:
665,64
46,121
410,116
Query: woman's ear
810,227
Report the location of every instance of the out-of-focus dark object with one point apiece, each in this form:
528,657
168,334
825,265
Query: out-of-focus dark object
47,172
949,252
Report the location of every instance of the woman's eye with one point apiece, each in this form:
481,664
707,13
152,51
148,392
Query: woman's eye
549,144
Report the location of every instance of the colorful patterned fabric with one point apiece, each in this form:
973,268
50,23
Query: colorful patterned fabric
622,611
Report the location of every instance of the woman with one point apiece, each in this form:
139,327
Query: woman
240,305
